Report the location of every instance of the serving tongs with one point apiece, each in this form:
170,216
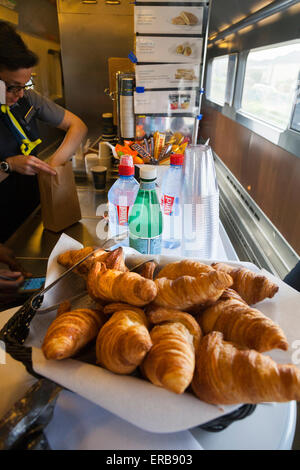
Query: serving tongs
37,300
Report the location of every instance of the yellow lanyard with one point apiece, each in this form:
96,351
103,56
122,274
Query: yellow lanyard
27,145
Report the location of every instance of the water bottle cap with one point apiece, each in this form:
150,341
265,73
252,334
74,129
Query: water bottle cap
176,159
126,167
148,172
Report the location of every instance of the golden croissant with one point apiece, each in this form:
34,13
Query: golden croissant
251,286
70,331
123,341
170,362
109,309
186,267
157,315
147,270
243,325
231,294
187,291
110,285
226,374
112,259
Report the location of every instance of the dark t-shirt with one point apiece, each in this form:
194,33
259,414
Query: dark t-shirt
46,110
19,194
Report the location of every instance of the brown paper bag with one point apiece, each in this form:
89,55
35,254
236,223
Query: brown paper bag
59,199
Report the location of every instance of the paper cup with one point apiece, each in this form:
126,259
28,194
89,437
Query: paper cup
99,176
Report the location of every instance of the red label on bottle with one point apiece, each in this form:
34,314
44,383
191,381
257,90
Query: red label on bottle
123,214
167,203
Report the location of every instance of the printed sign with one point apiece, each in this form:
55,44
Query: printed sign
168,20
167,76
165,102
169,49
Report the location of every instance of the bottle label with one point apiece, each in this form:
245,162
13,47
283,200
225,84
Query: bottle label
146,246
123,215
167,203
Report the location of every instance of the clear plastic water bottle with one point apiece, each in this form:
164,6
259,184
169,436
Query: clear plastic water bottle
200,221
171,189
121,197
145,217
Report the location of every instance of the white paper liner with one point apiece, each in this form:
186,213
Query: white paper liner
138,401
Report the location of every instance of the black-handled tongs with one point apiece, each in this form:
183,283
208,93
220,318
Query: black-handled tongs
37,299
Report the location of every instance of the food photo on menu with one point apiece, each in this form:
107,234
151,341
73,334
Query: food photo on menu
167,75
170,19
179,49
165,101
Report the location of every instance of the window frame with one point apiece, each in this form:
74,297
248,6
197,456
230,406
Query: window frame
288,139
209,81
270,128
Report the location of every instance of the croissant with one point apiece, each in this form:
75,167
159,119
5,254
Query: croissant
231,294
226,374
187,291
112,259
109,309
147,270
157,315
123,341
251,286
110,285
70,331
170,363
186,267
243,325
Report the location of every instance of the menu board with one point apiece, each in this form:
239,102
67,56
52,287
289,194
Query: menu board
169,101
169,51
168,20
167,76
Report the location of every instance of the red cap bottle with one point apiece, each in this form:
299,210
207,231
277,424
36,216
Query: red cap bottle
126,167
176,159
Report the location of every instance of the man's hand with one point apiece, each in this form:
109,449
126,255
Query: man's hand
7,257
29,165
75,130
12,282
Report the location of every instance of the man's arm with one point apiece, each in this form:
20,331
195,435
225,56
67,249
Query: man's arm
76,130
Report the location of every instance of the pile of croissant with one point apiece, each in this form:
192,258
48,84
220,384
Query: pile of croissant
190,328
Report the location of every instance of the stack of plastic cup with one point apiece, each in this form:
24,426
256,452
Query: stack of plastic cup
91,159
105,157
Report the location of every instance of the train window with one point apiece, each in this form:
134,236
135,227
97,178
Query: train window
295,124
218,79
270,83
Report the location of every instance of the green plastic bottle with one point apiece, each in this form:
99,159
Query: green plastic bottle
145,218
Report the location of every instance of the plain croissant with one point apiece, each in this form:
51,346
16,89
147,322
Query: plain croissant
110,285
251,286
147,270
109,309
188,291
112,259
170,362
226,374
243,325
123,341
70,331
186,267
157,315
